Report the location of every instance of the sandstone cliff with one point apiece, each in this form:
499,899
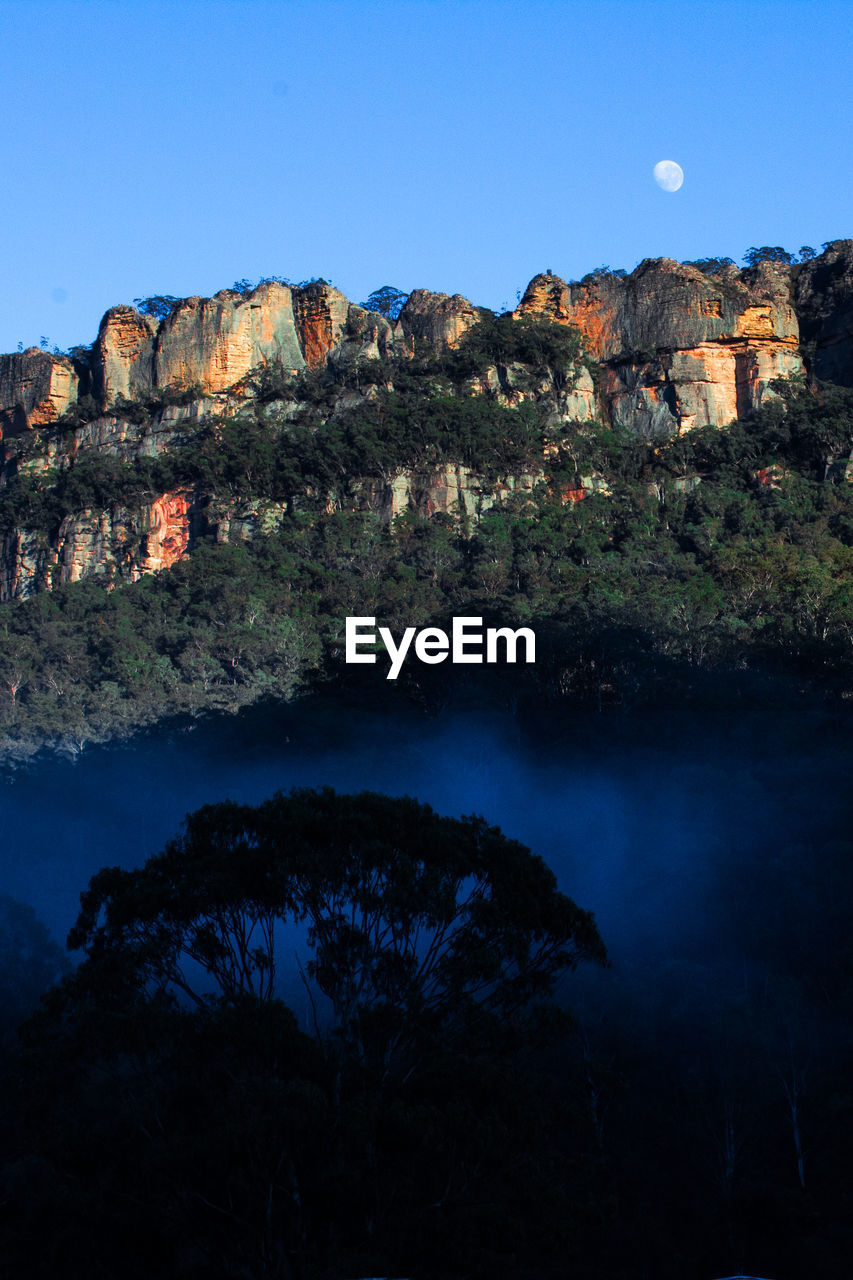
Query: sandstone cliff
431,320
35,388
823,293
213,343
676,349
118,542
679,349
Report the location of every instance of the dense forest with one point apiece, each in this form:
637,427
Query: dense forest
643,563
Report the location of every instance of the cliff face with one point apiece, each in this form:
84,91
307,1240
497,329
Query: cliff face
433,320
823,293
35,388
122,543
451,490
679,349
213,343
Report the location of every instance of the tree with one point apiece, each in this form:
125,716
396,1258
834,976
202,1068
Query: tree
419,926
767,253
710,266
30,962
387,301
216,1137
159,305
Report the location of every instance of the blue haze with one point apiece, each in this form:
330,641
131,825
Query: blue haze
639,829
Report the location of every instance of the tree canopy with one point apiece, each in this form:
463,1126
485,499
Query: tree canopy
387,301
167,1094
417,925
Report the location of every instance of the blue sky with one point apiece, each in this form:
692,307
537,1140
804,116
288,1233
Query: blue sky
173,148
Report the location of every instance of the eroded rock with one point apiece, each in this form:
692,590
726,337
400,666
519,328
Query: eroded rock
35,388
823,291
680,349
436,319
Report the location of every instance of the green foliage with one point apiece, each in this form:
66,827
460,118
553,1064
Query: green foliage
271,382
159,305
504,340
767,253
710,266
387,301
245,286
717,549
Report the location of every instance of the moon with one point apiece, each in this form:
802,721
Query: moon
668,175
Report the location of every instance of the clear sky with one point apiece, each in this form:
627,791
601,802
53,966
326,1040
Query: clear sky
174,147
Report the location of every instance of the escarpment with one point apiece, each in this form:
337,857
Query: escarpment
119,542
662,351
823,293
679,349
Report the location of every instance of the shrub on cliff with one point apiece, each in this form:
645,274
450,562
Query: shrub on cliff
158,305
505,340
768,253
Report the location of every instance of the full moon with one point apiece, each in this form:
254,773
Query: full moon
668,175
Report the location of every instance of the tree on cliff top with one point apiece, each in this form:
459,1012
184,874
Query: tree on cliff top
387,301
767,253
159,305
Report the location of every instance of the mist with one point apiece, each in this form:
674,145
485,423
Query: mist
641,821
711,846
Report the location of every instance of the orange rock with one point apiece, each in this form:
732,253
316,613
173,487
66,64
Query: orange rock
321,314
35,389
435,319
214,342
680,349
123,355
167,536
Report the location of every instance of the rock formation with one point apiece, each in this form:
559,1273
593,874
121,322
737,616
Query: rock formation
35,388
433,320
677,348
823,293
121,543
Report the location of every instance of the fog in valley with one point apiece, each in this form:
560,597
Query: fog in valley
643,822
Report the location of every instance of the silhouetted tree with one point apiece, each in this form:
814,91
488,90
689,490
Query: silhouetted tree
159,305
417,924
166,1094
30,962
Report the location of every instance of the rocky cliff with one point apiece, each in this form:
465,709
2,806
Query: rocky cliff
676,348
823,297
122,543
35,388
679,349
